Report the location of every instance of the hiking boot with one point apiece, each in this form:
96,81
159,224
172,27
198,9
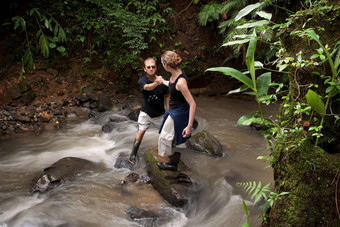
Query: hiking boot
172,164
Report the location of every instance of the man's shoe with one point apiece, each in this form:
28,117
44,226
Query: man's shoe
132,158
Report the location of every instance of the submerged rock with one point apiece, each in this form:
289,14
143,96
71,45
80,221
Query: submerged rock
108,127
61,171
174,186
122,162
134,114
144,217
205,142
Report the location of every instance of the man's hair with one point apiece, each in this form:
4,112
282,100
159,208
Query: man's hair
148,59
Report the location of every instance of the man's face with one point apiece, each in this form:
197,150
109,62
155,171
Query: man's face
150,67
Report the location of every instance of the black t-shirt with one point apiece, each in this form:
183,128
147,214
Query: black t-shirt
176,97
153,101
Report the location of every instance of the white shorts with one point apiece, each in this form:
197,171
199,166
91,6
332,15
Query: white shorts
144,121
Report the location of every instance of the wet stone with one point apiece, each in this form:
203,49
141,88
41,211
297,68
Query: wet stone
174,186
61,171
108,127
122,162
138,214
205,142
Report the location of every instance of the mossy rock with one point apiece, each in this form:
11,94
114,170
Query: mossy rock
205,142
174,186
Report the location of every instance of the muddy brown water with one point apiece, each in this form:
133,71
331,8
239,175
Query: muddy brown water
98,199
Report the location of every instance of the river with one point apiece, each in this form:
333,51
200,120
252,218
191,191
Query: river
100,200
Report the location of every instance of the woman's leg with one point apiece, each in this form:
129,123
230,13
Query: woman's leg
166,138
165,146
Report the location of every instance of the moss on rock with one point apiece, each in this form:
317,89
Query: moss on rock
168,185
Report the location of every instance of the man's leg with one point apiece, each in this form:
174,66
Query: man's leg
135,147
144,121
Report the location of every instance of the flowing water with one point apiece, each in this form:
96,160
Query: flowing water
98,199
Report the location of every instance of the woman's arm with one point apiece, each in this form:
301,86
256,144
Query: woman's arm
166,83
183,87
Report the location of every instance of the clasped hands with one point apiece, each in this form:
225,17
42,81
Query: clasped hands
159,80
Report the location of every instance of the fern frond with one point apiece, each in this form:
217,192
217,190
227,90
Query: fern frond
209,13
255,190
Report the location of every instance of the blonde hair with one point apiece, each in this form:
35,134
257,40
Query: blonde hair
148,59
172,59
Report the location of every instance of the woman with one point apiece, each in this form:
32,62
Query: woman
177,122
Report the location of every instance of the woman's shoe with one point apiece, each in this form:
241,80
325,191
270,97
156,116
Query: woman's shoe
172,164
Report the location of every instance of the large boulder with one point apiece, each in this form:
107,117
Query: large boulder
205,142
61,171
174,186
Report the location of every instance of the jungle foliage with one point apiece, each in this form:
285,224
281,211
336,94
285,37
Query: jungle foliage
224,13
117,32
310,54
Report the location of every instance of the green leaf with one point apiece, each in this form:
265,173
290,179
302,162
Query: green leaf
314,100
247,119
43,45
253,24
28,58
246,10
236,42
258,64
47,23
52,45
265,15
19,21
250,61
337,59
241,89
314,56
282,67
61,49
263,83
311,33
235,74
245,209
35,10
61,35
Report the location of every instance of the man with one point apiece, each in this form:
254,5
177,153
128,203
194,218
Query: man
154,94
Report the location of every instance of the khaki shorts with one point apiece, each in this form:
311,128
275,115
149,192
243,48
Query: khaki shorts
166,137
144,121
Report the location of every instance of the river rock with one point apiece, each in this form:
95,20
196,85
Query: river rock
108,127
122,162
205,142
144,217
61,171
174,186
136,178
105,104
134,114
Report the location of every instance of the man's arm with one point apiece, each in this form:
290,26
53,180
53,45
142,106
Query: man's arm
149,87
